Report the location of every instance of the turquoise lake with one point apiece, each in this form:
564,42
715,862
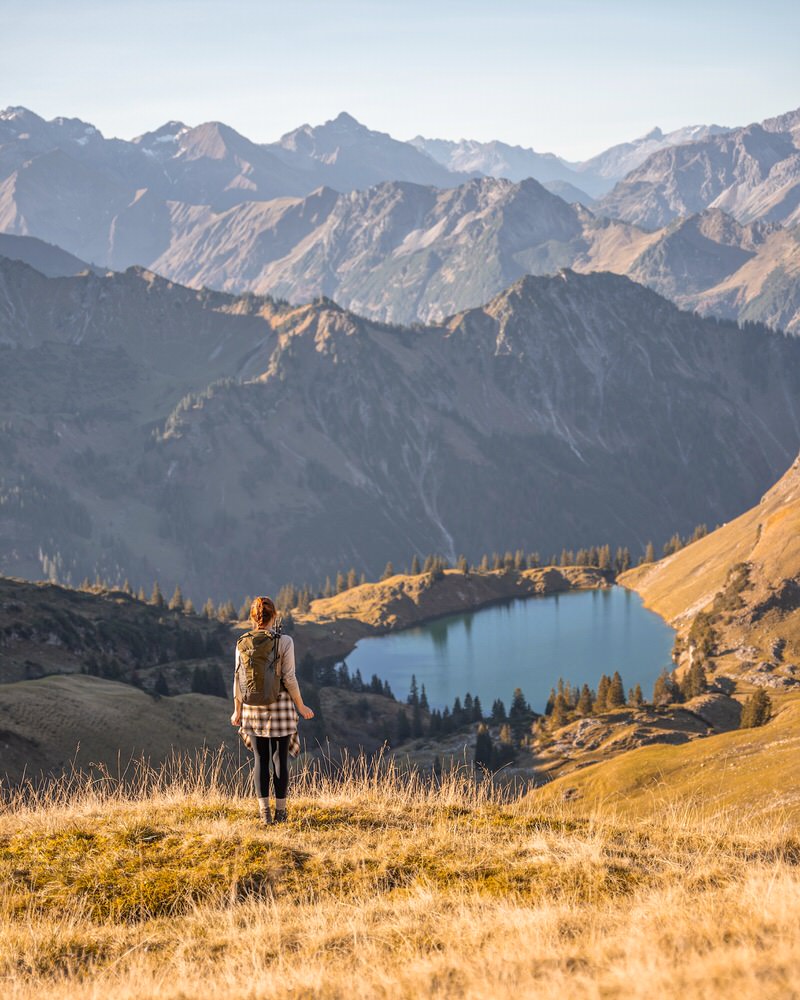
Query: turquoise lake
527,643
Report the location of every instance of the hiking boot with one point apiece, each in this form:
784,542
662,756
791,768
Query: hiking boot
280,816
265,816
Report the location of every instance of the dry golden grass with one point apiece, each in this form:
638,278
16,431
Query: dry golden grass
380,886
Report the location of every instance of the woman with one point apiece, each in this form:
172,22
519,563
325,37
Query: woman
271,729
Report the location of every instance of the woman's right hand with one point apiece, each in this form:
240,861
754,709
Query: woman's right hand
236,718
306,712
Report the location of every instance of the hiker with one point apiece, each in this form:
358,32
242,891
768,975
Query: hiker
264,690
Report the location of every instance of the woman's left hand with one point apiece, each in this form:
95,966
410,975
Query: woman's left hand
236,719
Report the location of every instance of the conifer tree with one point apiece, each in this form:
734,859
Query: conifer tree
484,564
415,565
161,687
352,578
176,601
497,561
388,571
141,595
585,702
559,715
427,566
519,560
477,710
615,697
156,597
649,553
341,583
244,610
423,700
601,702
209,609
498,715
188,607
757,710
126,587
327,590
403,726
362,579
534,560
413,694
462,565
665,689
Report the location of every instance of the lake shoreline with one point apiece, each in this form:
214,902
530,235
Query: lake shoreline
333,627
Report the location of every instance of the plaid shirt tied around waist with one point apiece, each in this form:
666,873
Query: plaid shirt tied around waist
277,719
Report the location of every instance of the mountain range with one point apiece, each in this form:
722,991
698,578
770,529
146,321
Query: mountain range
151,430
592,177
393,234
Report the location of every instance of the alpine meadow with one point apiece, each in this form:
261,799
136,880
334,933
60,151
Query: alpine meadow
399,501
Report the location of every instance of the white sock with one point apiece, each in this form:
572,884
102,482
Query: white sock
280,804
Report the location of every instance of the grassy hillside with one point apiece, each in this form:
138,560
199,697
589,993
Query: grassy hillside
752,772
380,887
746,577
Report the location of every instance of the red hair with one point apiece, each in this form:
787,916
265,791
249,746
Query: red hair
262,612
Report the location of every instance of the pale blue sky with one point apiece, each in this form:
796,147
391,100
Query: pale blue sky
568,76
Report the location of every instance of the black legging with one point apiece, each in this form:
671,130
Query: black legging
264,749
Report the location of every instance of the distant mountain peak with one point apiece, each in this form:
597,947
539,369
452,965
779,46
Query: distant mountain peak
654,133
346,120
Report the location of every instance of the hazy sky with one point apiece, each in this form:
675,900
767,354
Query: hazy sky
570,76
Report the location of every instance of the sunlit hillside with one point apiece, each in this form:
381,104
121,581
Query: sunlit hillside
744,576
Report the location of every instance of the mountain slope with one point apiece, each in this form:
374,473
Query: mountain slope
153,431
750,173
745,577
397,252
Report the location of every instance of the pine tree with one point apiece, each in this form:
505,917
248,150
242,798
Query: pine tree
616,692
161,687
649,553
403,726
484,564
226,612
415,565
423,700
559,715
519,560
157,598
126,587
497,561
140,594
362,579
534,560
585,701
462,565
327,590
188,606
352,578
665,690
244,610
601,701
341,583
477,710
498,714
388,571
757,710
519,713
694,682
413,694
176,601
209,610
638,697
